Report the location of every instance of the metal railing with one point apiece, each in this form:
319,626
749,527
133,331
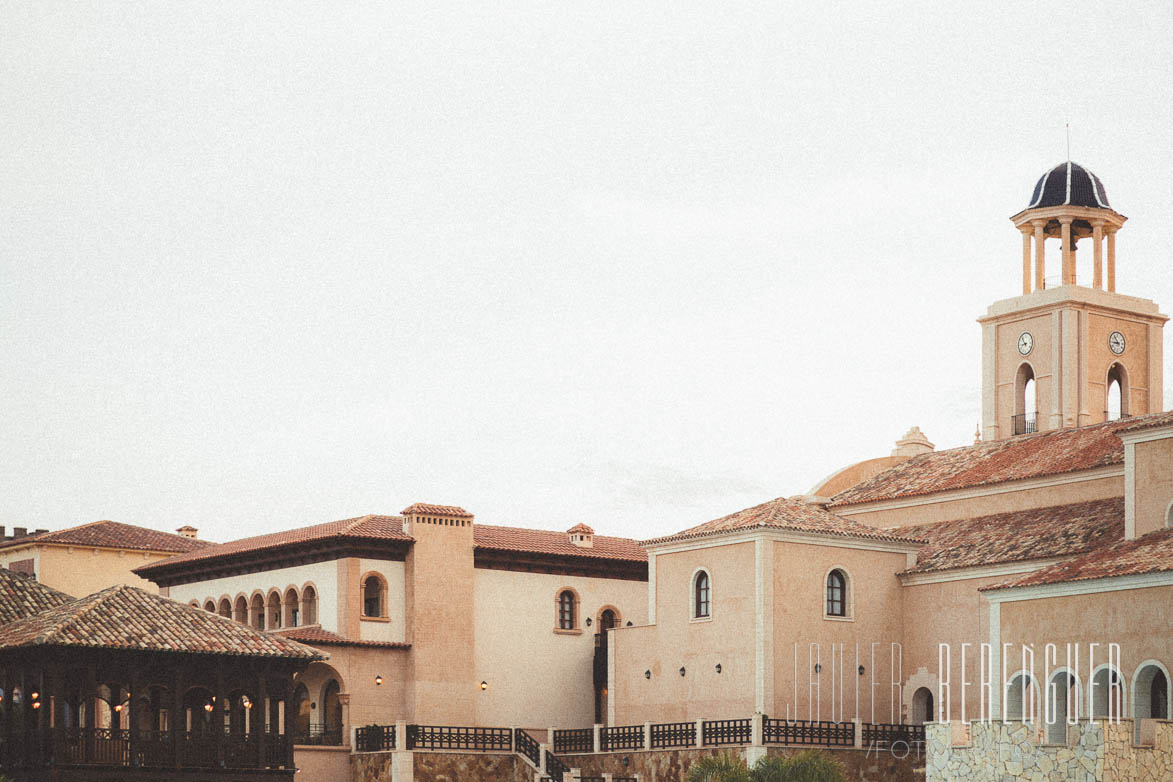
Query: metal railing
815,733
374,738
464,738
673,734
526,745
319,735
157,749
574,741
1025,423
718,733
623,737
555,768
885,735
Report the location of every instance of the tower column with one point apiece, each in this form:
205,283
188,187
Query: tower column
1097,244
1068,252
1025,260
1112,259
1040,253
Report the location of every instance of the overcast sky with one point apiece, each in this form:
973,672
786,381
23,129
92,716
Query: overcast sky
272,264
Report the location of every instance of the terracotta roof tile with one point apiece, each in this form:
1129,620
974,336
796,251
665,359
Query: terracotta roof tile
997,461
362,527
1039,533
540,541
1149,422
427,509
316,636
786,513
126,617
113,534
22,596
580,529
1151,553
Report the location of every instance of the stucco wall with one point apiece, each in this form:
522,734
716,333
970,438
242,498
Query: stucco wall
83,571
322,764
949,505
355,668
538,677
874,610
322,575
677,640
1153,481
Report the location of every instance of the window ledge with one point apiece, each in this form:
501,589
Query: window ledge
830,618
374,618
560,631
696,619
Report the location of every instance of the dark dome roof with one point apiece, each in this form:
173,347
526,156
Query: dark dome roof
1069,183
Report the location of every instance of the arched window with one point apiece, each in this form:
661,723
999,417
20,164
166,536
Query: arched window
332,713
1107,694
301,705
373,593
274,610
240,611
566,610
257,611
1025,401
292,608
1117,401
309,606
702,595
837,593
1020,700
1150,694
225,608
607,620
1062,700
210,606
922,706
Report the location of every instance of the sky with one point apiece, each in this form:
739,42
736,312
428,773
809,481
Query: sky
630,264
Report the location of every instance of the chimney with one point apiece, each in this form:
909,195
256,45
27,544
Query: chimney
188,531
582,536
20,532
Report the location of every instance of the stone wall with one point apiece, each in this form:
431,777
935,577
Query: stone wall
1094,752
437,767
664,765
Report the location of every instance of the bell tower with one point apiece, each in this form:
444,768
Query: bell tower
1064,354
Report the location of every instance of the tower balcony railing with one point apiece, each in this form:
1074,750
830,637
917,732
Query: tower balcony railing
1025,423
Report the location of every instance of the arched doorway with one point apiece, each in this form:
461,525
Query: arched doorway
1062,703
1021,698
301,710
1025,401
922,706
1150,694
1107,694
1117,388
331,713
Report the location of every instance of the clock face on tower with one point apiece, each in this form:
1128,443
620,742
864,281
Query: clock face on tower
1116,342
1026,343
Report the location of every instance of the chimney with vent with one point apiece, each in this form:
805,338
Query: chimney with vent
914,443
188,531
582,536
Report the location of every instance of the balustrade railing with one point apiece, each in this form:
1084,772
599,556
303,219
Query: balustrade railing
716,733
819,733
885,735
673,734
465,738
555,768
526,745
623,737
156,748
574,741
374,738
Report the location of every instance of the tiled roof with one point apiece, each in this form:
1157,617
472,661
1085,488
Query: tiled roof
1010,459
113,534
786,513
1149,422
1017,536
427,509
1151,553
540,541
580,529
126,617
368,527
316,636
22,596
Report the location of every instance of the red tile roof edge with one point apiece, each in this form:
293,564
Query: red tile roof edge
1105,557
323,638
763,525
61,537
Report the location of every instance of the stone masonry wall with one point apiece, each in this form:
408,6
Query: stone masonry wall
439,767
1094,752
671,765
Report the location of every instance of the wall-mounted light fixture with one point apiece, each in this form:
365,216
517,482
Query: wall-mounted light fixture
629,623
861,670
484,685
718,667
647,674
378,680
36,704
818,668
588,621
626,760
682,670
207,707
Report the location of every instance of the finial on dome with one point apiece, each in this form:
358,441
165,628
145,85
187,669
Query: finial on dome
977,433
912,444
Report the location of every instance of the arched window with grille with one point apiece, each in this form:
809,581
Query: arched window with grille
309,606
702,595
837,594
567,610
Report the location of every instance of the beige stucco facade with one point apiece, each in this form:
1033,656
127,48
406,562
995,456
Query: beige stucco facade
82,571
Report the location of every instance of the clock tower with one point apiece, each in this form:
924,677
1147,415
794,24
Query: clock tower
1064,354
